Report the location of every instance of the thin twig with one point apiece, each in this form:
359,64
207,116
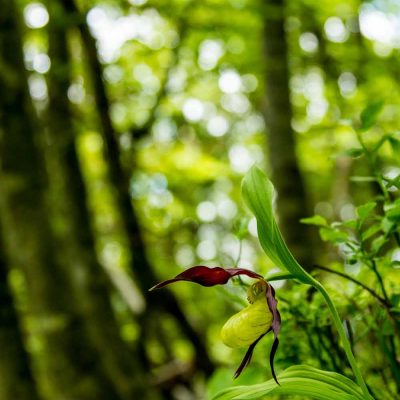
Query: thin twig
380,280
350,278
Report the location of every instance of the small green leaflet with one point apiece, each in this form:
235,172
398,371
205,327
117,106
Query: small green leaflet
370,114
315,220
364,210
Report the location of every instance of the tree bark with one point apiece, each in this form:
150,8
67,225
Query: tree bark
68,361
78,245
292,203
16,380
141,267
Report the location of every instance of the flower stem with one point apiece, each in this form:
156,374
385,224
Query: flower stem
345,342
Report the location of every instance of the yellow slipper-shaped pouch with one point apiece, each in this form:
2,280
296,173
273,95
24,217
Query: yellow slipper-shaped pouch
246,326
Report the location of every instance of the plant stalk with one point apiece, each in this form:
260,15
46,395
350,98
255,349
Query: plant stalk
345,342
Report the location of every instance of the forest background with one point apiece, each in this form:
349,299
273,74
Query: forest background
126,127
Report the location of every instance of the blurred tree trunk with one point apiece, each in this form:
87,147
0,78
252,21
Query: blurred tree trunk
141,266
78,245
69,363
16,381
292,202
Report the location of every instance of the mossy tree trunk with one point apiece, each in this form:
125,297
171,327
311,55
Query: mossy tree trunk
69,364
78,245
16,380
292,204
142,269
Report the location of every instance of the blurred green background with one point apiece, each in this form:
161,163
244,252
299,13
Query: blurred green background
126,127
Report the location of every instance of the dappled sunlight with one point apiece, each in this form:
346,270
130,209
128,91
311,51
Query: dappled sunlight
36,15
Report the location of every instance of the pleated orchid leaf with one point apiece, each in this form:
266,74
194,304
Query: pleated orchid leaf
258,193
299,380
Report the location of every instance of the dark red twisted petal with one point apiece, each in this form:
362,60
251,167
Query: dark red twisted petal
275,326
207,276
247,358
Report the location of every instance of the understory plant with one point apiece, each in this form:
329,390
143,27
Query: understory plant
367,240
369,244
258,194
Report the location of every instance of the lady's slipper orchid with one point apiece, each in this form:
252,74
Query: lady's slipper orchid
248,326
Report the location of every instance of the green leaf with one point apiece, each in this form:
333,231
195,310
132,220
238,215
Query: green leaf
393,182
393,211
363,179
380,143
370,114
299,380
279,277
395,144
354,152
370,232
315,220
222,378
258,192
386,328
350,223
387,225
333,235
378,243
333,378
241,229
395,299
364,210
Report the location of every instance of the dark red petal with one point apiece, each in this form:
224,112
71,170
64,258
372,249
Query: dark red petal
247,358
243,271
274,347
207,276
275,326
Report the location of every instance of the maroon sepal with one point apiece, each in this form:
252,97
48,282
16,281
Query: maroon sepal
247,358
207,276
275,326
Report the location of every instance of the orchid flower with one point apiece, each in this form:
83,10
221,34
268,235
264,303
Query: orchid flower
248,326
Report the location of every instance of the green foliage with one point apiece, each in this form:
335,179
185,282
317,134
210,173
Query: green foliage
364,238
370,241
298,380
370,114
354,152
258,193
317,220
